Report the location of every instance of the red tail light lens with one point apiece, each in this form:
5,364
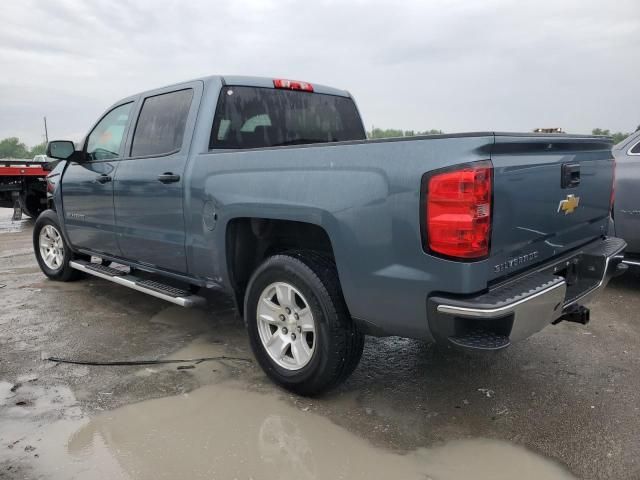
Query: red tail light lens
292,85
458,211
51,186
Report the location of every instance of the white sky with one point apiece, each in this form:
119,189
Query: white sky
454,65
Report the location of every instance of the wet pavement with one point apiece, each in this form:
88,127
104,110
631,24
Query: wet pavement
563,404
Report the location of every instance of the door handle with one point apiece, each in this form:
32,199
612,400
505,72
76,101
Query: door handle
104,178
168,177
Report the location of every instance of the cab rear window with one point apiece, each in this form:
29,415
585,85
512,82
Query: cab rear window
253,117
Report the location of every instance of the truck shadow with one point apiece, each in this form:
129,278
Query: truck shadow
630,281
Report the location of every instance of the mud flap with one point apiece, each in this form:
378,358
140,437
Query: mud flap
17,211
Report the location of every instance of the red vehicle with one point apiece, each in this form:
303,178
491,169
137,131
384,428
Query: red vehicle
23,186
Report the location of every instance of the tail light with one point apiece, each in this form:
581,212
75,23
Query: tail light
292,85
51,182
457,211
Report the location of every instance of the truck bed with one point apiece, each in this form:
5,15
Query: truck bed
366,194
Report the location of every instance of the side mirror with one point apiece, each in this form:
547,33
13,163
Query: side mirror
60,149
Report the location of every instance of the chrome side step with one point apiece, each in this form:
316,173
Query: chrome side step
150,287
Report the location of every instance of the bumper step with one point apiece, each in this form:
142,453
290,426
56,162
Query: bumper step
481,340
504,299
150,287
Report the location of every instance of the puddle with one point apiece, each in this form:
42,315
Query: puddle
222,432
7,225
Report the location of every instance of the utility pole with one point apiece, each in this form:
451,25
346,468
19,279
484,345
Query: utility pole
46,134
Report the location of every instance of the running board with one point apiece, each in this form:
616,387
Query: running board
150,287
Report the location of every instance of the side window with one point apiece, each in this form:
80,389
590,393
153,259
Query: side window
105,140
635,150
161,124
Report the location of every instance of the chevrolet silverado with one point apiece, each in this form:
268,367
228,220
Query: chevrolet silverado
269,190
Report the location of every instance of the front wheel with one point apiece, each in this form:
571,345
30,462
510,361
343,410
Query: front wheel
298,323
52,252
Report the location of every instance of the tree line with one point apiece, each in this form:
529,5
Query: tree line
392,132
617,136
12,147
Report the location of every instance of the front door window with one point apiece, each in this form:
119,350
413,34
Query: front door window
106,138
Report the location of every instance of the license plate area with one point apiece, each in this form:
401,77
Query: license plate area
581,273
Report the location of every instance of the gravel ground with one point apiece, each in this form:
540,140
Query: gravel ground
569,397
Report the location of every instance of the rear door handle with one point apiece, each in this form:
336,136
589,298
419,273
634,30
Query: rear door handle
168,177
104,178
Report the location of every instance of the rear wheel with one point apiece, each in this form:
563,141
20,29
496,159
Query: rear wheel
299,327
52,252
290,342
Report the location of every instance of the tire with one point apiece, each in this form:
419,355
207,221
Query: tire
61,271
30,204
336,344
24,205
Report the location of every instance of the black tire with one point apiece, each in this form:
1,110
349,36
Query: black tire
64,272
30,204
25,206
339,344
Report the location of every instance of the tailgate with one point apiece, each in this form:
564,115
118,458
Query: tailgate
551,194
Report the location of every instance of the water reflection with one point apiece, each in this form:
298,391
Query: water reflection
226,433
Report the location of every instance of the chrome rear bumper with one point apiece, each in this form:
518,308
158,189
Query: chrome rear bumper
521,307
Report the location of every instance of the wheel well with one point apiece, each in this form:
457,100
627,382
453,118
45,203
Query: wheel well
251,240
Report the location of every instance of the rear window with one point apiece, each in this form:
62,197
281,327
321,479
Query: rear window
252,117
161,123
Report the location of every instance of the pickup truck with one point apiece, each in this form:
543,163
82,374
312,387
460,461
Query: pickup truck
269,190
626,209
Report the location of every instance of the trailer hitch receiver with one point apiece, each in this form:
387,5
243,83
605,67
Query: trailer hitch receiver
575,313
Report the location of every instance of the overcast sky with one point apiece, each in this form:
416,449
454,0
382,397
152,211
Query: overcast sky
454,65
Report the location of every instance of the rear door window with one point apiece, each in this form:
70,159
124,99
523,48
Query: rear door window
252,117
635,150
161,124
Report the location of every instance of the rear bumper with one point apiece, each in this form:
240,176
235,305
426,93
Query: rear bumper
516,309
631,260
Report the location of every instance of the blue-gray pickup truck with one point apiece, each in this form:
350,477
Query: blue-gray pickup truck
269,190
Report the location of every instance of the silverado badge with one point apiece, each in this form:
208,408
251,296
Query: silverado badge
569,204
